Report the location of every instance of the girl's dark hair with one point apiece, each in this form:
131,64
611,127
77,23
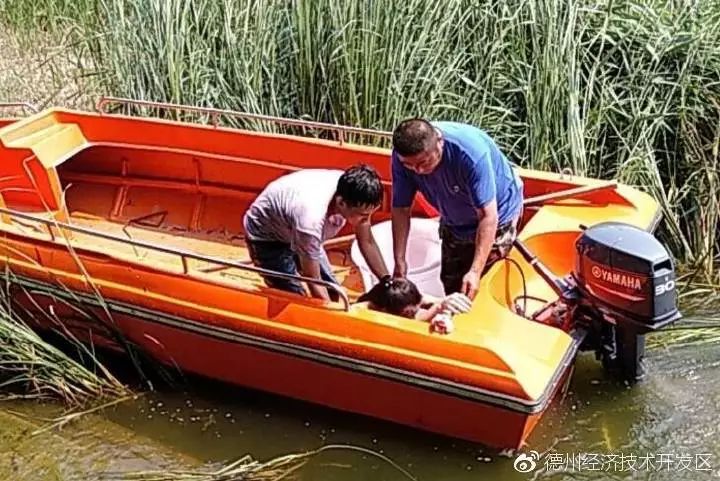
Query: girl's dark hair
392,295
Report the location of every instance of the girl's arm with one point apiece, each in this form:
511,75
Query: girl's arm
427,314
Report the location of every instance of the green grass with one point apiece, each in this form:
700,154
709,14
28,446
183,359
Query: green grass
50,16
626,89
30,367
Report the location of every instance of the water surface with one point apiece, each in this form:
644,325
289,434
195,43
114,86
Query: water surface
670,424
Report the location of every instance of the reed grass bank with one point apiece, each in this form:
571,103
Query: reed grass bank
30,367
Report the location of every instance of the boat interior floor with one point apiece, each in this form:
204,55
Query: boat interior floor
222,245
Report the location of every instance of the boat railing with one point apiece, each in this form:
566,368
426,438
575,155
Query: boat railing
341,132
19,105
184,255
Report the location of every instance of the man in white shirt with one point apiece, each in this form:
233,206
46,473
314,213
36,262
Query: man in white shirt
286,225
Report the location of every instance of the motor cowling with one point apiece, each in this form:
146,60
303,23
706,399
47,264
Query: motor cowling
626,281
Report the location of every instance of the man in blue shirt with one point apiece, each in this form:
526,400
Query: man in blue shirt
464,175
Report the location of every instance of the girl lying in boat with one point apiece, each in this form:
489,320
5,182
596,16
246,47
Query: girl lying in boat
401,297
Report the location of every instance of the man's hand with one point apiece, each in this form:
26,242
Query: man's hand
311,268
470,283
400,268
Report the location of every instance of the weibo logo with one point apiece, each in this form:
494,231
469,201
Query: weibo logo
525,463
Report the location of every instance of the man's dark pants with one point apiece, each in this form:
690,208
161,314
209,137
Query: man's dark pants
279,257
457,254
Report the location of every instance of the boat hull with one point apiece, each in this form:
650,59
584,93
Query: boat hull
261,364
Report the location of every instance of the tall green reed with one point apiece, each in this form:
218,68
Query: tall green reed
49,16
33,368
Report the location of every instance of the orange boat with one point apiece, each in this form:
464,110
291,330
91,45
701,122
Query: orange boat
118,223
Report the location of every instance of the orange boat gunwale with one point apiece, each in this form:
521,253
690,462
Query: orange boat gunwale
214,113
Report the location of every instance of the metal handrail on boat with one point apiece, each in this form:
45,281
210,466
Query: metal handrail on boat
340,130
184,255
23,105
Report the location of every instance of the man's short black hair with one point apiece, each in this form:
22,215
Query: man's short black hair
360,186
413,136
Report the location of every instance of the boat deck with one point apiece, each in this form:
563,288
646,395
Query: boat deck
212,244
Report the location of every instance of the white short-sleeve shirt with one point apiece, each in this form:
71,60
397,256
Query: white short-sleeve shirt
293,209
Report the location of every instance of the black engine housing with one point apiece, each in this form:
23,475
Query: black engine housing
627,271
626,284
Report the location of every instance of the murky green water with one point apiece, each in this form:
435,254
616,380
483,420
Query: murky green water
670,424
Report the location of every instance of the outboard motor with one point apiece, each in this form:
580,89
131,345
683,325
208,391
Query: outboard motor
626,288
622,287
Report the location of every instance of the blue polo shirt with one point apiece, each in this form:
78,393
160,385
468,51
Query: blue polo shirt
473,171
